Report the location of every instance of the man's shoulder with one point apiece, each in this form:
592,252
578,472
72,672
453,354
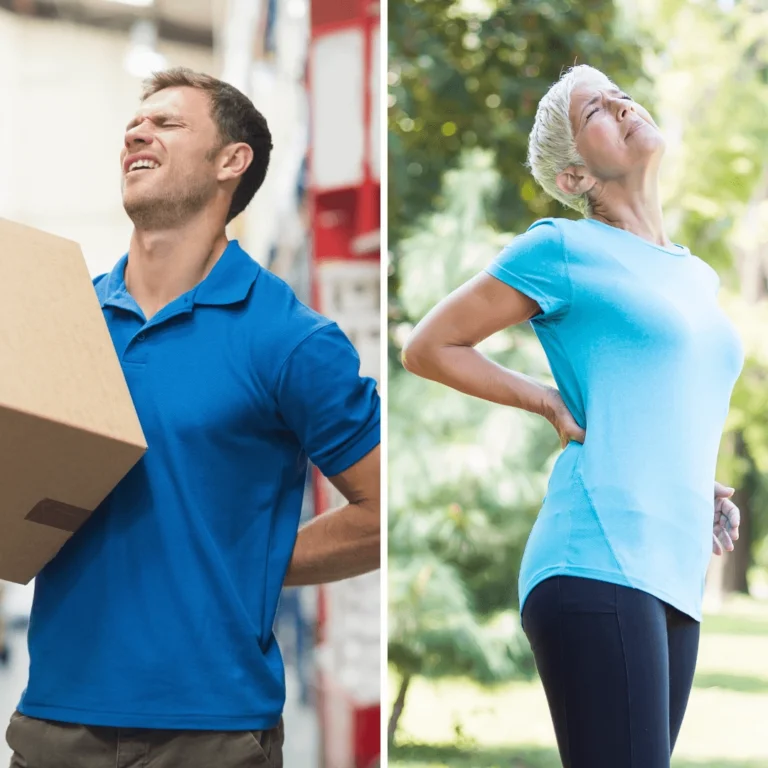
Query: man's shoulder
275,306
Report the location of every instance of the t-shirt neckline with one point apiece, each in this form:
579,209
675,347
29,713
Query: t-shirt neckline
677,249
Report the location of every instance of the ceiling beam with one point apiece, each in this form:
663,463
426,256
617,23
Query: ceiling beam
110,17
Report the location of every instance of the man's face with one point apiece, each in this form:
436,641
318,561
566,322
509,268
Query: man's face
172,133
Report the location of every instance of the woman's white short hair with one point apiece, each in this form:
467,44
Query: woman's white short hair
551,146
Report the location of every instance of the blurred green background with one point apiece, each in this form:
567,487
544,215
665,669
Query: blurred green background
466,478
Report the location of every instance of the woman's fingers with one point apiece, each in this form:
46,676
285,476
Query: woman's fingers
556,412
569,431
729,516
727,520
574,431
725,539
723,491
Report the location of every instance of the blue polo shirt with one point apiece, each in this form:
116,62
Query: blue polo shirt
645,360
158,612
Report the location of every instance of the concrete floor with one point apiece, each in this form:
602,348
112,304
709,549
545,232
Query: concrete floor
301,728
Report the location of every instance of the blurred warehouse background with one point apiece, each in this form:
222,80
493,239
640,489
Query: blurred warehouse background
70,76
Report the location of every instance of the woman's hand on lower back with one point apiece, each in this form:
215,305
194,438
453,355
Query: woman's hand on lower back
556,412
725,528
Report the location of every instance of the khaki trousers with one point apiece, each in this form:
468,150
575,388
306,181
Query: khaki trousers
2,616
47,744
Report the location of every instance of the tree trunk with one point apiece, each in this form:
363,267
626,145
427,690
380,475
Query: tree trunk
398,708
737,563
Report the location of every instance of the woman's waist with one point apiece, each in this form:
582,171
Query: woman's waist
631,494
636,514
636,538
682,469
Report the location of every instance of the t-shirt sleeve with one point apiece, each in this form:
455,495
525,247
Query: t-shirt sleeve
330,407
534,263
714,278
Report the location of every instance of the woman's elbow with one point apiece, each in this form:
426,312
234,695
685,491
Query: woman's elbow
413,356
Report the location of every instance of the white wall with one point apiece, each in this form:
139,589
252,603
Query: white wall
65,99
278,91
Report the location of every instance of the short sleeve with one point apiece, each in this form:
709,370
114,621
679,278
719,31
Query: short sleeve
534,263
330,407
714,277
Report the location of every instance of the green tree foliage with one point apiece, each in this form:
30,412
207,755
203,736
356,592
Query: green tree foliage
460,80
467,477
711,86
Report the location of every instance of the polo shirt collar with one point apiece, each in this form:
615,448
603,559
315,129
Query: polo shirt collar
112,291
228,282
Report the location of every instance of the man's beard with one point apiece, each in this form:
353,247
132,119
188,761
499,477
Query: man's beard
166,211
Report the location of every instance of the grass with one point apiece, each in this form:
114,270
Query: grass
740,683
435,756
456,724
432,756
735,625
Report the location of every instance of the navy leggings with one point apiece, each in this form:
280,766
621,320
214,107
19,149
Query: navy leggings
617,667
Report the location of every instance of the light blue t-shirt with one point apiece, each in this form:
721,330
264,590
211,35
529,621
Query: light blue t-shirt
646,361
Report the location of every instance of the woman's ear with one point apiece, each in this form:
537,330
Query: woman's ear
575,180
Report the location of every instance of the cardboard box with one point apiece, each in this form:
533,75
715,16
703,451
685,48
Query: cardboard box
68,428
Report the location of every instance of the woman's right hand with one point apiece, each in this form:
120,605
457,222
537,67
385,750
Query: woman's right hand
556,412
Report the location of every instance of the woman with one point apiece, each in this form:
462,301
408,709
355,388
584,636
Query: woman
612,578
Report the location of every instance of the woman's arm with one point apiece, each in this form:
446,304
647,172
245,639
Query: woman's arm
441,348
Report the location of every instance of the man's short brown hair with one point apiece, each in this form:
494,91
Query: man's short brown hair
236,118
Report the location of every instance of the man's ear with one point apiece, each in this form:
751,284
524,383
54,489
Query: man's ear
237,159
575,180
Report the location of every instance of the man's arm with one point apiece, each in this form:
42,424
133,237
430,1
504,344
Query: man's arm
343,542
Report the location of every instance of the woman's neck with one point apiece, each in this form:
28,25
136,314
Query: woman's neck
634,207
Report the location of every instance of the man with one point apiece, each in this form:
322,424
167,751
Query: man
151,634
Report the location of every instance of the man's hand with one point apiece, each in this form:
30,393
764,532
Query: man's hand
727,519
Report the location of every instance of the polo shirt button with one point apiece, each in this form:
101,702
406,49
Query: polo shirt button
141,337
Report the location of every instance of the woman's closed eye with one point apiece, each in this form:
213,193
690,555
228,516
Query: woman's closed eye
623,96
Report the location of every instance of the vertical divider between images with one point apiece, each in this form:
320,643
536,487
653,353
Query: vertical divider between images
384,380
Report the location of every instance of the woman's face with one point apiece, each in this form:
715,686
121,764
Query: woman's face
614,135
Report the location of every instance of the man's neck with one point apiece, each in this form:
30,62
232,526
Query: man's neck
165,264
